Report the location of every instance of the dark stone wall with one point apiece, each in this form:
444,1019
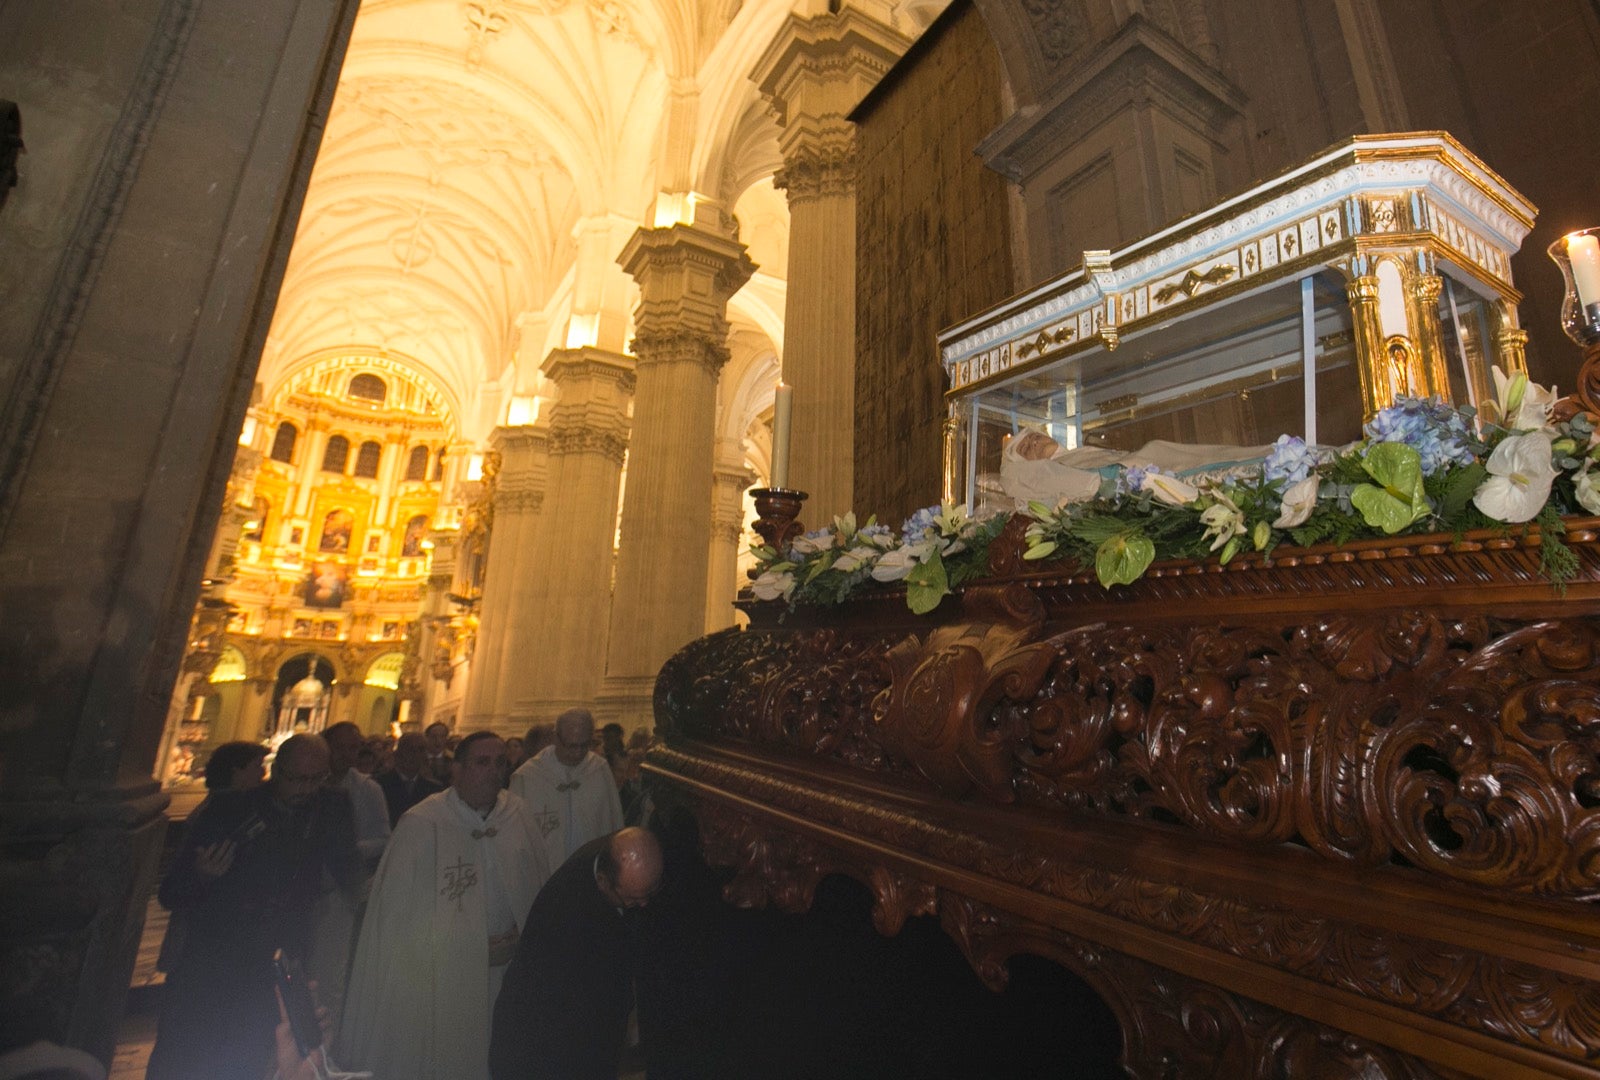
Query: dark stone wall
932,247
169,143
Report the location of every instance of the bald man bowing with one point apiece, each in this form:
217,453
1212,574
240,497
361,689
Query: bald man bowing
563,1008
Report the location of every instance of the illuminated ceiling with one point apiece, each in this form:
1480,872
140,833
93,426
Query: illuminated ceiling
485,160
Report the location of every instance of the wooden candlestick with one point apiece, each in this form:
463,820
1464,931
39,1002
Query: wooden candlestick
1588,389
777,511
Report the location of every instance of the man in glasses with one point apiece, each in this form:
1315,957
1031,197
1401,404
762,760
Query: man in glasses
245,877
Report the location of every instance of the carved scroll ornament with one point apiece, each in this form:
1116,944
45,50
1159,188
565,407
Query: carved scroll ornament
1468,748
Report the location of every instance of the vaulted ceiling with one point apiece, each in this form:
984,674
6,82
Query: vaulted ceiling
485,160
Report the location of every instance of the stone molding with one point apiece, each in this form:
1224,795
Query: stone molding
1139,67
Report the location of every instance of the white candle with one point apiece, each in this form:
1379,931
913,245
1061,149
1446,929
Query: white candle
782,408
1584,251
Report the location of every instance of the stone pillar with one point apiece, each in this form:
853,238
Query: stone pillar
563,654
132,326
728,483
686,273
814,73
254,702
519,493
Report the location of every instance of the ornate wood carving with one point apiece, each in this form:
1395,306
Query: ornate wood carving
1346,817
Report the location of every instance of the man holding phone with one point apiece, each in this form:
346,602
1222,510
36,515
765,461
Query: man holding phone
245,876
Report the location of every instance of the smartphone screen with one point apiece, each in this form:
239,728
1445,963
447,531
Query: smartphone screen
297,1003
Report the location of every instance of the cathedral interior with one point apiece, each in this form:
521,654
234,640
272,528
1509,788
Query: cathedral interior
413,361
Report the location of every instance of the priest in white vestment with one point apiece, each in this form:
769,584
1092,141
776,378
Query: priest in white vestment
569,789
447,905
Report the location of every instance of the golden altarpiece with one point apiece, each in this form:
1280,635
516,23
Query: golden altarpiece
343,579
1322,812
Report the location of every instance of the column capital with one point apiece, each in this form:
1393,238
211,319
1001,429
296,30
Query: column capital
565,366
591,414
686,273
815,72
819,68
516,440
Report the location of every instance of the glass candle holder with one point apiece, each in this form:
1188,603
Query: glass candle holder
1578,255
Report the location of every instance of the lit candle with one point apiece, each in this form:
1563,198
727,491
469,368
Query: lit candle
1584,251
782,408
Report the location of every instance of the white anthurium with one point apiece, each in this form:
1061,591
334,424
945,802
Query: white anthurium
810,545
1169,489
854,559
896,564
1299,499
1587,492
773,585
1523,405
1520,475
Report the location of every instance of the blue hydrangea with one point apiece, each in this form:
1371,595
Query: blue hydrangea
920,524
1436,431
1131,480
1291,460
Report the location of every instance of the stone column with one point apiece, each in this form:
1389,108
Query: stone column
814,73
520,487
254,703
686,273
728,482
562,655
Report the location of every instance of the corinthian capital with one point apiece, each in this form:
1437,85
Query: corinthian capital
820,167
814,73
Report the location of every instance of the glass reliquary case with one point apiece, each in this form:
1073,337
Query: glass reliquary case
1379,268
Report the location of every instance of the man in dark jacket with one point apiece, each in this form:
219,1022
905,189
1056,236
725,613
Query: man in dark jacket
563,1009
410,781
245,876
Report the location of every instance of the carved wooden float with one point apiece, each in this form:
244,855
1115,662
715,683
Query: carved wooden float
1331,814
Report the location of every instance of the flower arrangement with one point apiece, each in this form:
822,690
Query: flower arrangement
1423,466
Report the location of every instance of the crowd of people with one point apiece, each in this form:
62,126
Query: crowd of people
463,906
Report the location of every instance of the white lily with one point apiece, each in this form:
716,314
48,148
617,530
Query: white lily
810,545
1522,405
1588,494
773,585
1298,501
1169,489
1223,521
1520,475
